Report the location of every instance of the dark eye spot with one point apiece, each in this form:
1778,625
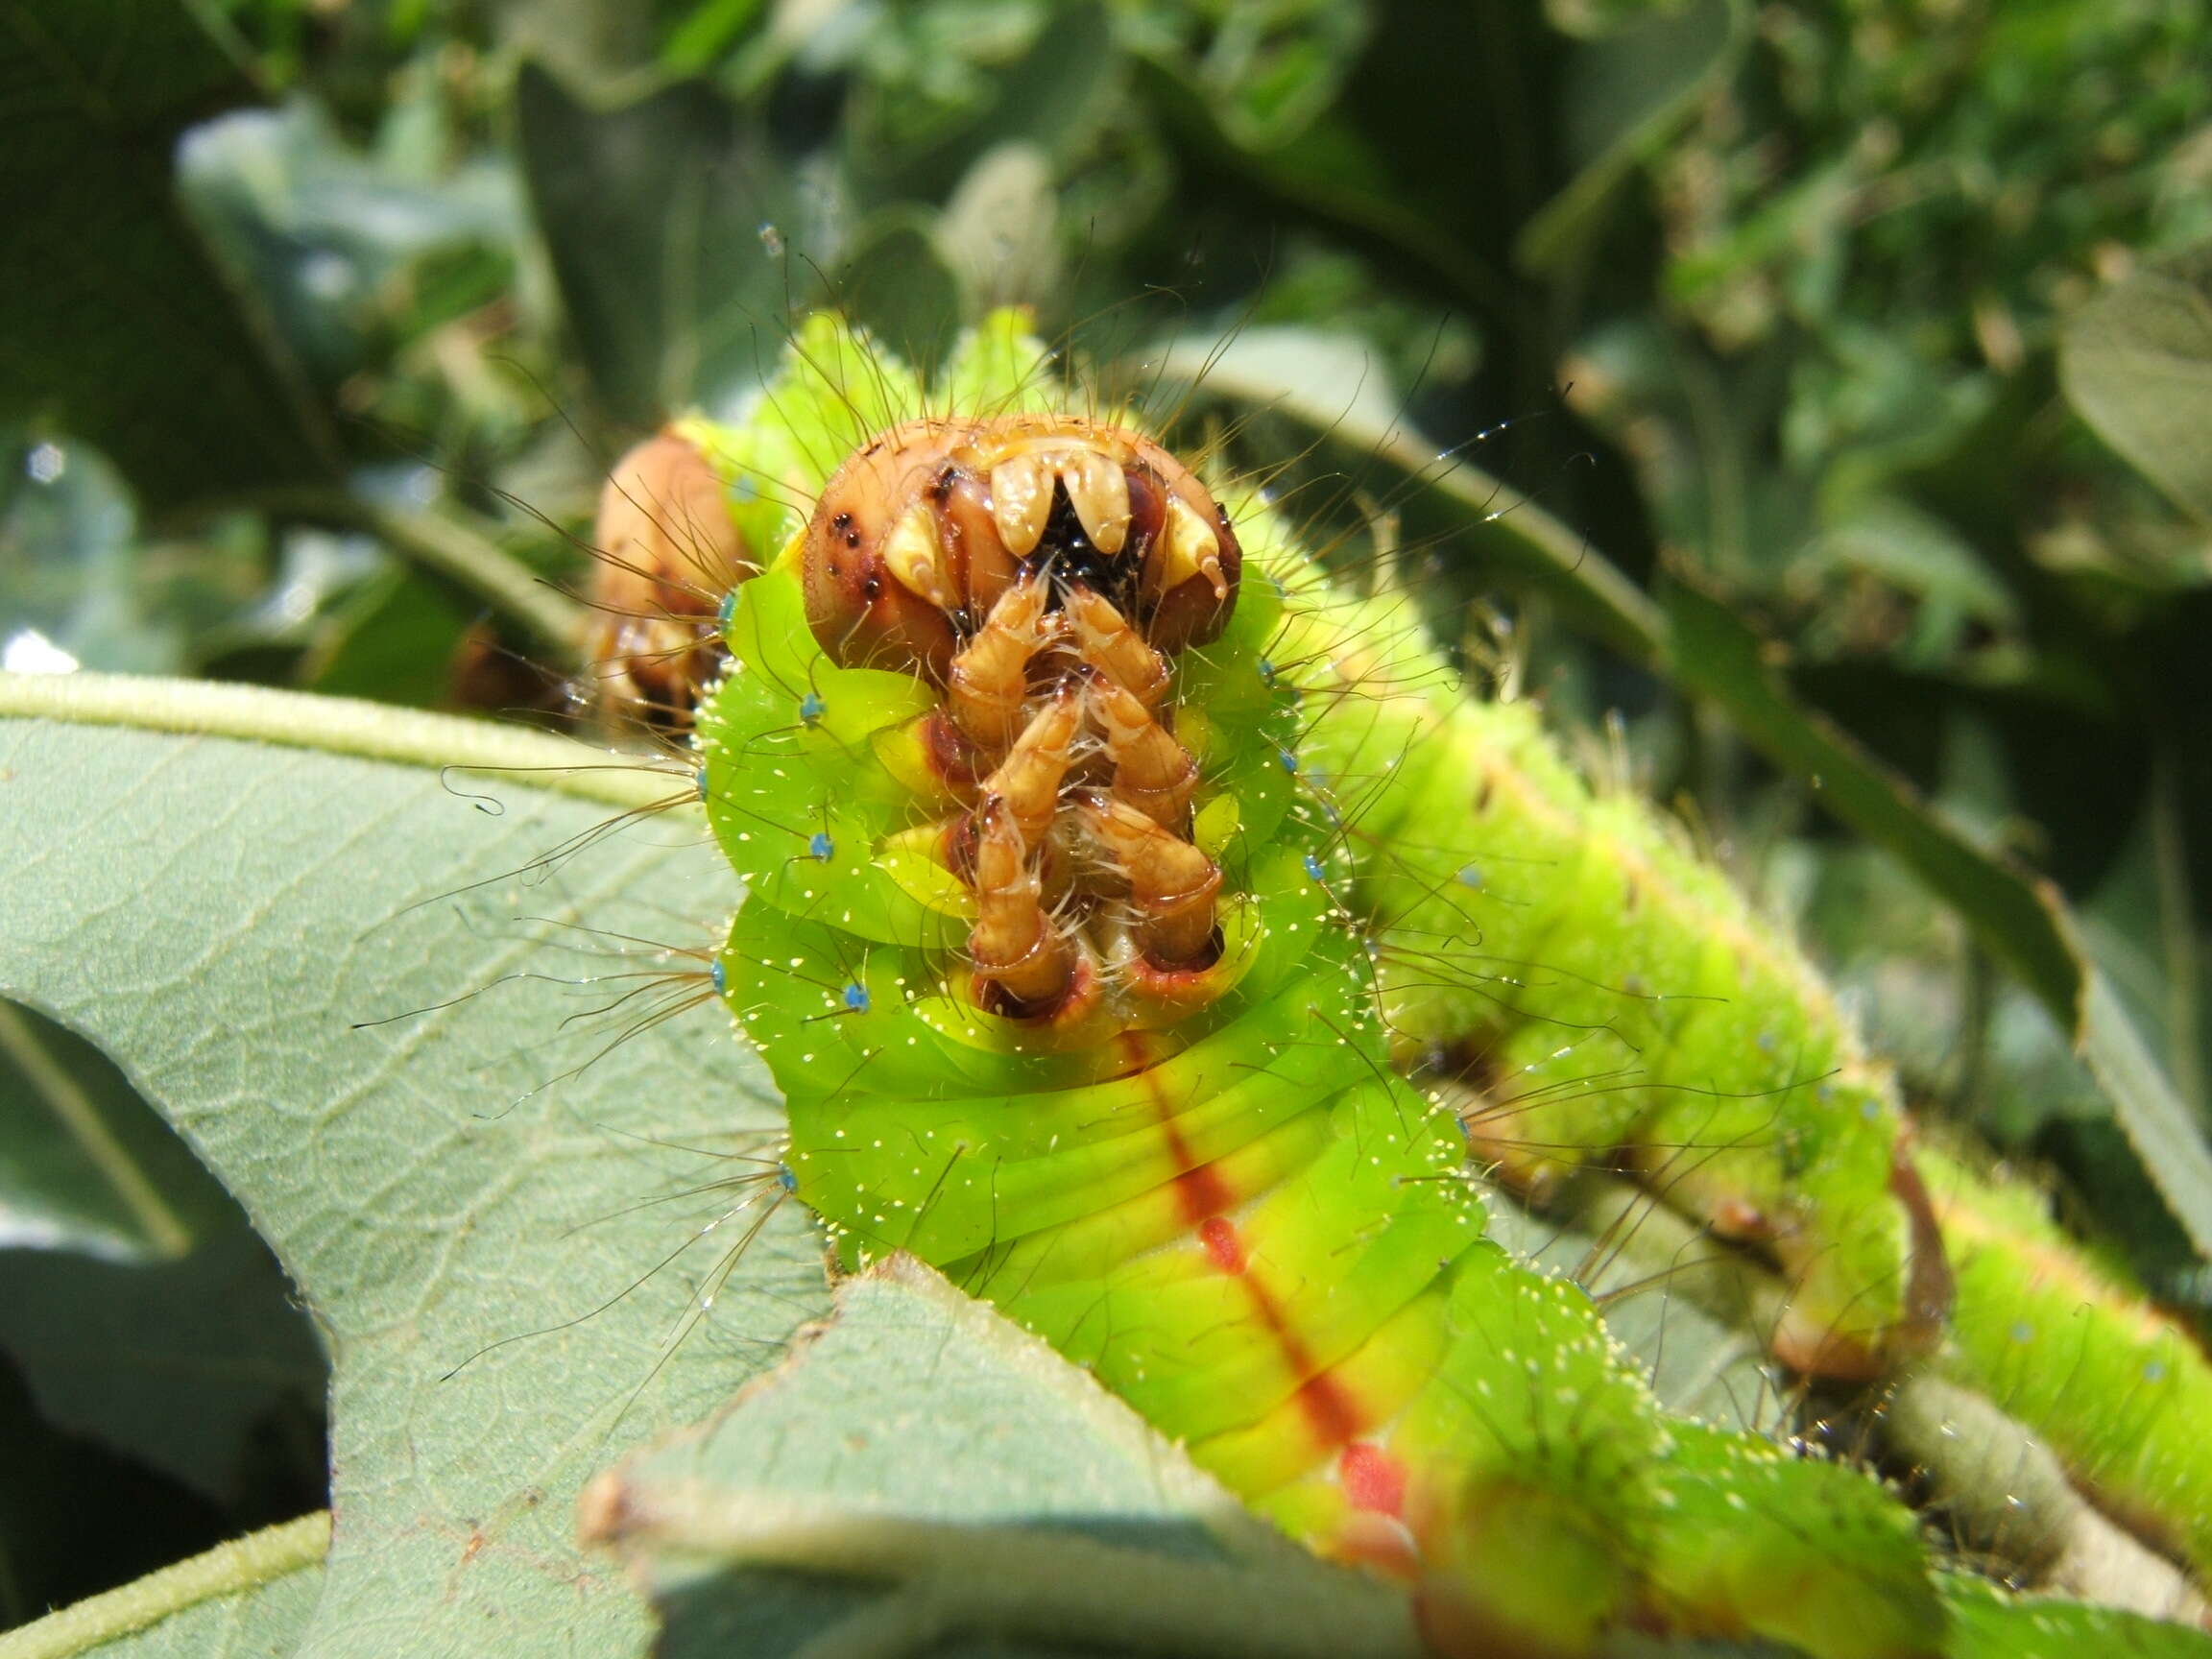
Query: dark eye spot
841,523
852,538
870,587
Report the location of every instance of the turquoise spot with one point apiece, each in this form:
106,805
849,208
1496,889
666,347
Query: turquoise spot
1313,868
785,1179
1287,760
2023,1332
2155,1371
1469,875
856,998
1266,672
721,979
820,846
699,781
729,609
811,708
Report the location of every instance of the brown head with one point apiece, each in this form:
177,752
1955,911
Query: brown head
919,534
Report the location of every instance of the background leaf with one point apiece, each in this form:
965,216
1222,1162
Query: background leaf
253,1597
2137,363
665,219
83,1166
460,1213
122,327
914,1403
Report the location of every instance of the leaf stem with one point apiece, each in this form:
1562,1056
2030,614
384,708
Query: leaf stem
338,725
2177,926
444,544
233,1568
1588,583
76,1112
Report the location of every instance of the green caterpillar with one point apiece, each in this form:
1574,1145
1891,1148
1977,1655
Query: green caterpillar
1721,1073
1170,1137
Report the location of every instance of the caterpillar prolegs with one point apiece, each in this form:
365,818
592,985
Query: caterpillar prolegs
1104,876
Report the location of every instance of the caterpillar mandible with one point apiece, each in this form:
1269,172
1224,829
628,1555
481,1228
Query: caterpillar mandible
1055,780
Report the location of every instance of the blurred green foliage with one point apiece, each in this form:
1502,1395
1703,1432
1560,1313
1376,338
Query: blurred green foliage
1889,319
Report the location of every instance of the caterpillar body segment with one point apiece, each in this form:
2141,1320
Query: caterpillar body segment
1721,1073
1200,1176
1200,1169
2052,1328
1737,1558
1986,1623
1250,1228
1622,1006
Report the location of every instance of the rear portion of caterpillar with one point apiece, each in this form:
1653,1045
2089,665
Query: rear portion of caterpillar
1613,1003
1043,946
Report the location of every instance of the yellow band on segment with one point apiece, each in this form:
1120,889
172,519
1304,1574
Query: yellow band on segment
1159,1220
1282,1460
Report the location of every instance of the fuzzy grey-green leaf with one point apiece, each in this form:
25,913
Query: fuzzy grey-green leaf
459,1204
2136,363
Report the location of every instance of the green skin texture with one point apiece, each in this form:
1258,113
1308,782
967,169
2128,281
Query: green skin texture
1725,1050
1720,1062
1566,1498
2056,1330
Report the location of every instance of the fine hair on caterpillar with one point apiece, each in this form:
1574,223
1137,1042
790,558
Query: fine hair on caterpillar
653,507
661,559
1055,870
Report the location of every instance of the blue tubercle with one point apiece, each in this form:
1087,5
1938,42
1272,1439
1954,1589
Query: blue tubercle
856,998
820,846
811,708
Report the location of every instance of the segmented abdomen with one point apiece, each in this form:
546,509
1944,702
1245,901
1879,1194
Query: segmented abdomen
1046,951
1586,991
1182,1159
1158,1122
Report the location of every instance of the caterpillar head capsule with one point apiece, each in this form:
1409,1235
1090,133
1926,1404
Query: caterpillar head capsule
1044,572
918,536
